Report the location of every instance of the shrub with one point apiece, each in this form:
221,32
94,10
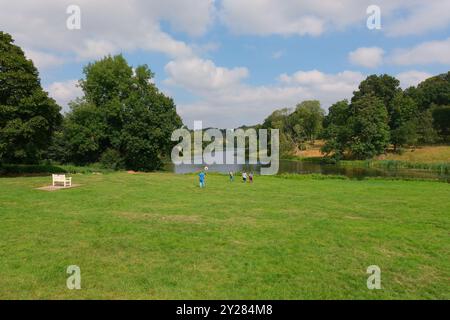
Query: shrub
111,159
43,169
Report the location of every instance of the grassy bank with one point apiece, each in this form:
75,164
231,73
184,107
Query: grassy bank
443,168
159,236
435,158
423,154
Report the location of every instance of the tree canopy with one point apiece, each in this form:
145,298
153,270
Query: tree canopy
382,114
122,119
297,126
306,120
28,117
434,91
359,130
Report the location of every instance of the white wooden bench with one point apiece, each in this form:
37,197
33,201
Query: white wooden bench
61,178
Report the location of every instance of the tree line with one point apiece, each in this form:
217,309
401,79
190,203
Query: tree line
379,116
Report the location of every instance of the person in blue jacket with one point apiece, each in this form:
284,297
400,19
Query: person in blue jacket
202,177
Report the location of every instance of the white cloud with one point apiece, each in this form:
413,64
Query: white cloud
303,77
64,92
339,85
225,101
412,78
270,17
242,105
368,57
425,53
93,49
112,26
312,17
202,76
423,16
106,26
43,60
193,17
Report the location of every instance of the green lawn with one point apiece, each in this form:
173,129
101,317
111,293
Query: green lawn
158,236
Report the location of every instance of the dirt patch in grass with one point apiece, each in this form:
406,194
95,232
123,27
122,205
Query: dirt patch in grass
56,188
354,218
390,253
136,172
151,216
240,221
311,151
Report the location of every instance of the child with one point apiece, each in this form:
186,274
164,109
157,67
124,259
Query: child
201,177
250,177
231,176
244,176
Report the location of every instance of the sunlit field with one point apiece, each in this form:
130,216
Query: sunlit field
159,236
424,154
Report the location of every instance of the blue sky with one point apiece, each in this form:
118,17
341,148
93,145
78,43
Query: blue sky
232,62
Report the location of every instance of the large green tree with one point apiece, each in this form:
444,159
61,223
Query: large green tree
28,117
387,89
403,121
441,119
296,126
432,97
279,120
359,130
384,86
306,120
370,130
434,91
122,115
337,132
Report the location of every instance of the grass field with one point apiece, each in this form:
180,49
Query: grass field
421,154
158,236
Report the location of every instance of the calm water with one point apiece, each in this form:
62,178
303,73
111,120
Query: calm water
303,167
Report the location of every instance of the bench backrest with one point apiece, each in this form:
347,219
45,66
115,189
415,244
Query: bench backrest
59,177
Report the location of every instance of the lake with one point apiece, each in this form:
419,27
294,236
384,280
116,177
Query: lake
305,167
